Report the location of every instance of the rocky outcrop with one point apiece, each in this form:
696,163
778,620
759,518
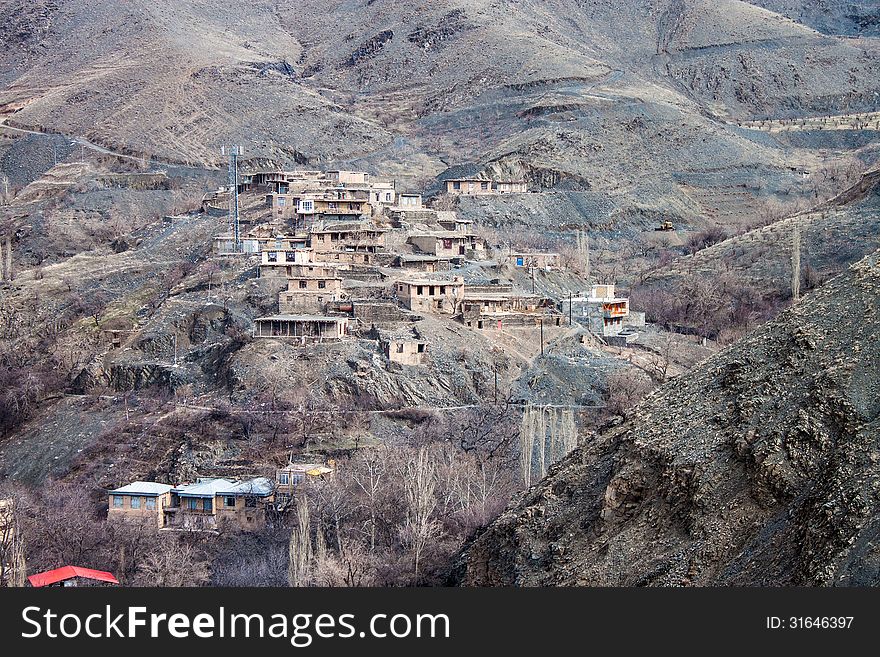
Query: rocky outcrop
760,468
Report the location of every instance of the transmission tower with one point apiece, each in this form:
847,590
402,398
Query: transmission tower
234,152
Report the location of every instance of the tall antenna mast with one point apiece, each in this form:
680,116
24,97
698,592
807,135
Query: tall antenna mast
234,152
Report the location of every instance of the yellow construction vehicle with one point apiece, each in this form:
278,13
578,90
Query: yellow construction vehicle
665,225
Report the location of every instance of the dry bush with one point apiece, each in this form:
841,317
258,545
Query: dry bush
625,389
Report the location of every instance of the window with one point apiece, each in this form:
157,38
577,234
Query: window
208,504
419,290
431,290
447,243
273,256
297,478
229,501
135,502
306,206
284,478
289,298
456,185
290,256
322,285
192,503
388,196
421,348
484,185
117,501
282,201
442,289
303,285
399,346
151,503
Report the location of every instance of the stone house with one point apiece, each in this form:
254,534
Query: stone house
436,296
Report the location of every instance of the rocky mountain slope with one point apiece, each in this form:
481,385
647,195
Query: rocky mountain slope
760,468
633,101
849,17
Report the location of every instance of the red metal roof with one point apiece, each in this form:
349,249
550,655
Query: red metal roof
69,572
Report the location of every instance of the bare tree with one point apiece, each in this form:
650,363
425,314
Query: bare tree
300,547
419,479
6,194
12,558
174,563
369,472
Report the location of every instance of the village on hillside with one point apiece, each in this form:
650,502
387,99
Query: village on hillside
356,258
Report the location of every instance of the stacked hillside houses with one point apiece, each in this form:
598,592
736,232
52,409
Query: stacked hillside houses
358,259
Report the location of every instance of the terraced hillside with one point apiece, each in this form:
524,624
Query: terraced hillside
632,101
832,235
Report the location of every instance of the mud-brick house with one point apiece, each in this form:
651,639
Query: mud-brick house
535,260
294,476
143,501
404,348
363,238
448,243
409,201
211,503
279,262
480,186
431,295
302,328
422,262
309,290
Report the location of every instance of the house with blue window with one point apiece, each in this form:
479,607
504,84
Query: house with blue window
213,503
140,501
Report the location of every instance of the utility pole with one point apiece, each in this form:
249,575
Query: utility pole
569,307
495,368
542,336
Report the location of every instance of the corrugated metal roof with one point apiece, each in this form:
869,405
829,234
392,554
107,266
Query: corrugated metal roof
211,487
69,572
142,488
